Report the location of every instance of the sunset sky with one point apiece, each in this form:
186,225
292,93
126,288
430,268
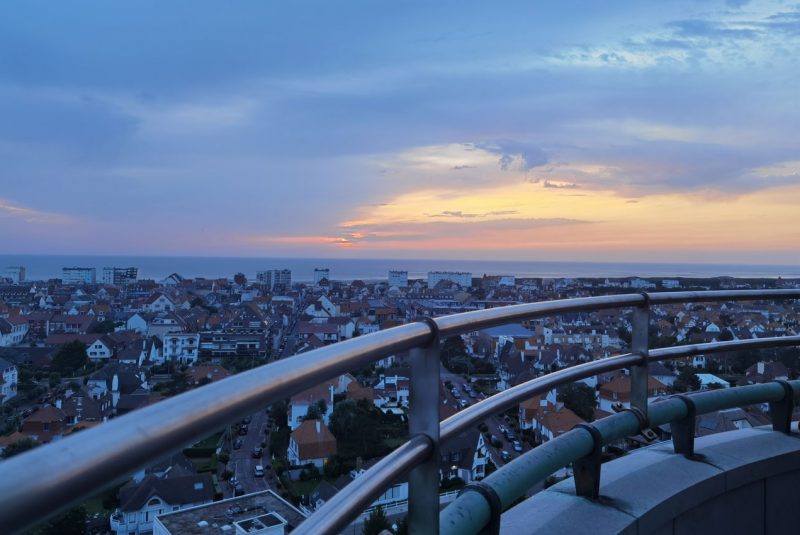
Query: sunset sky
617,131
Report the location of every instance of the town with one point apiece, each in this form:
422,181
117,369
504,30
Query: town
78,350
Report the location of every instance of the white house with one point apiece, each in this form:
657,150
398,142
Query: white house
10,378
311,443
99,350
12,330
141,503
137,323
707,379
181,347
299,403
158,302
322,308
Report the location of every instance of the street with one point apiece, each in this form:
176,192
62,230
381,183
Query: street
242,463
492,423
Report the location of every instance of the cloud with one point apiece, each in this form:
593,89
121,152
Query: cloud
560,185
464,215
11,210
516,155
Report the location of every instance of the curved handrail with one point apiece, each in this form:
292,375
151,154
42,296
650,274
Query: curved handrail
56,475
470,512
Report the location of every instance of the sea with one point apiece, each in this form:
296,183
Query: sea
43,267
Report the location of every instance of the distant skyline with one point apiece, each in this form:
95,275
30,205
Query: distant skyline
577,131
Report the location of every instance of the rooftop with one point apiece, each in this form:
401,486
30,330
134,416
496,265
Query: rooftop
226,512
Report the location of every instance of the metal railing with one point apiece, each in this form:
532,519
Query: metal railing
472,512
48,479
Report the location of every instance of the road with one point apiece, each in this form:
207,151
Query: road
242,462
492,423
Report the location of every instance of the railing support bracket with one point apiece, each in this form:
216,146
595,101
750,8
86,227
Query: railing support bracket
493,500
781,411
683,429
587,469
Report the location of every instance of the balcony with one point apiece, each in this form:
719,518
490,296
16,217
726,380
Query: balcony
54,476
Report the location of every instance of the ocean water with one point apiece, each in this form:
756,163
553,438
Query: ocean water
42,267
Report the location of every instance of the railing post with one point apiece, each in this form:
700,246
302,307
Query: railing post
639,345
423,481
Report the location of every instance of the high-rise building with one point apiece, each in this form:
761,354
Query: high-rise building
321,273
398,278
120,276
275,278
78,275
15,273
462,278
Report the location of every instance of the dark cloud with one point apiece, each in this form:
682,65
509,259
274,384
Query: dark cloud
525,156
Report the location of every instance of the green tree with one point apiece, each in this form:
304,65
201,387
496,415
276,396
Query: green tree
106,326
18,447
376,522
687,380
73,522
453,347
54,379
278,413
579,398
70,358
316,410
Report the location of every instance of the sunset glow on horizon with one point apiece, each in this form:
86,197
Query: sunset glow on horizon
633,132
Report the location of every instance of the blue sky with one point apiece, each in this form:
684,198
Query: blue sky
663,131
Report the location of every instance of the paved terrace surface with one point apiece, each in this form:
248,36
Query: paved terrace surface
226,512
742,481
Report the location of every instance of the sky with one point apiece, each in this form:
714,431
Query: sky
590,131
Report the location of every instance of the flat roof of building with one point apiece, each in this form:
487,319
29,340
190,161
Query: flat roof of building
226,512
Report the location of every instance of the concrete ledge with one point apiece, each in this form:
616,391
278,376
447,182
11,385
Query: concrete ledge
742,482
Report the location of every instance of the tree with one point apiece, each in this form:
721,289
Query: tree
687,380
73,522
453,347
18,447
579,398
316,410
106,326
71,357
277,412
376,522
240,279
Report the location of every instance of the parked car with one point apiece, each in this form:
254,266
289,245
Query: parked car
257,452
494,441
237,444
464,403
517,446
243,430
503,429
505,456
258,471
238,490
472,394
247,420
510,436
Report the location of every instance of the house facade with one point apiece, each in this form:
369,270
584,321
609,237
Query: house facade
311,443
